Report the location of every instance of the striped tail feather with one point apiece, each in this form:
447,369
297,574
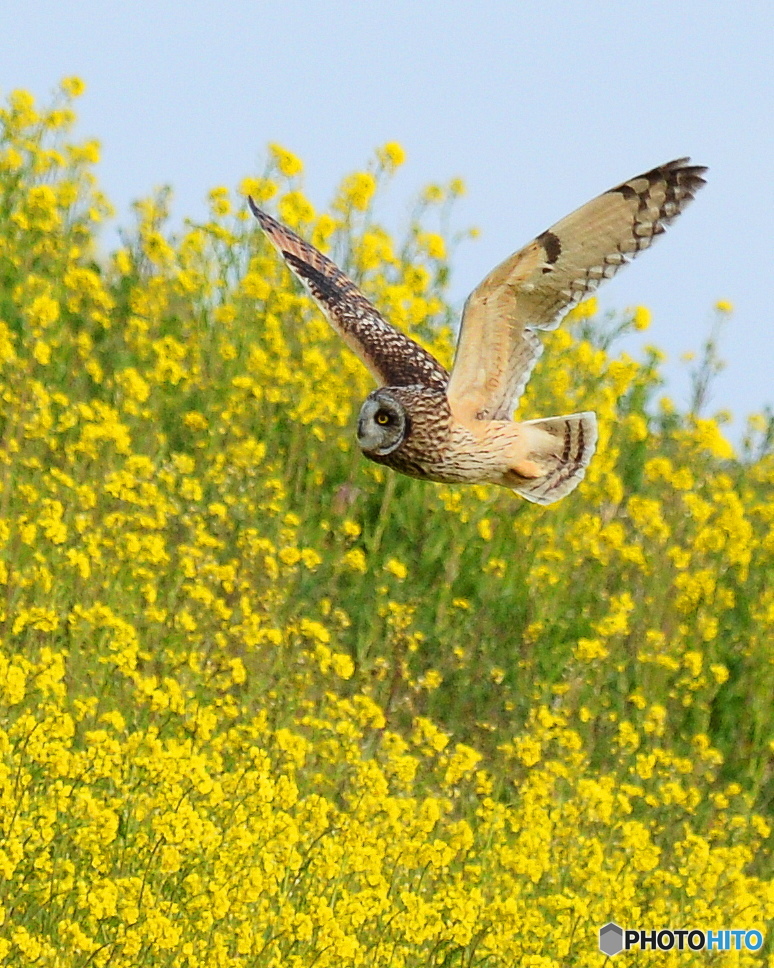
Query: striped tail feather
564,448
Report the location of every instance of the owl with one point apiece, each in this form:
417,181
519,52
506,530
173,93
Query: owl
457,427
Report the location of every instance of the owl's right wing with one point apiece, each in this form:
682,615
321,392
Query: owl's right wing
393,358
498,344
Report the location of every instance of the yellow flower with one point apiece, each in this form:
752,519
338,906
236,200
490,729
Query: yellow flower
708,436
426,733
350,528
432,194
88,152
256,286
355,560
431,680
433,244
342,665
641,317
42,352
219,201
724,306
396,568
720,673
584,310
588,650
295,208
288,163
72,86
391,155
259,189
357,190
195,421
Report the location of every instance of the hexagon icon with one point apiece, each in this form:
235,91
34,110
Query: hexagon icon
611,938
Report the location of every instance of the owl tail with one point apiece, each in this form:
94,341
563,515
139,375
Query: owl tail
561,448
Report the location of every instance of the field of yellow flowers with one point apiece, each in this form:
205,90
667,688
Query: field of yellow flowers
263,703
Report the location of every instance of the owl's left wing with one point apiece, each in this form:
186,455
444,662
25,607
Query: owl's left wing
498,344
393,358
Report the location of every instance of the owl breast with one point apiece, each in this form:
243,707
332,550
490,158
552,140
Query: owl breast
436,447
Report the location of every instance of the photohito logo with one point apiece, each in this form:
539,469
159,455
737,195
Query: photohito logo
613,939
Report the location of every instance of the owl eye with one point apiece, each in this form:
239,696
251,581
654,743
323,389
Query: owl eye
382,417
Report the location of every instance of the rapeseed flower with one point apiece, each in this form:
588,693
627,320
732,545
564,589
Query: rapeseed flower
264,702
287,163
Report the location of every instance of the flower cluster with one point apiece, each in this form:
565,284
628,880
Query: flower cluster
265,703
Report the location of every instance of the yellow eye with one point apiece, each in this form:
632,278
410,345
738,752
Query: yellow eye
382,417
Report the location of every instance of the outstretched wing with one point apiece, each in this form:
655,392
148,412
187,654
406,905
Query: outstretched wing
498,346
393,358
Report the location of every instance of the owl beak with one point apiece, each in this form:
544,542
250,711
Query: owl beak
368,442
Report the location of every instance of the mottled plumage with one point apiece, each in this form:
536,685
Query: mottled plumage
457,428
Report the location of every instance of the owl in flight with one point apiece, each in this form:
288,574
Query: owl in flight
457,428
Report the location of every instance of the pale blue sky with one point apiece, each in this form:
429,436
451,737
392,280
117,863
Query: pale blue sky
537,106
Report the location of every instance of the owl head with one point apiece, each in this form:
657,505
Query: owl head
383,424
